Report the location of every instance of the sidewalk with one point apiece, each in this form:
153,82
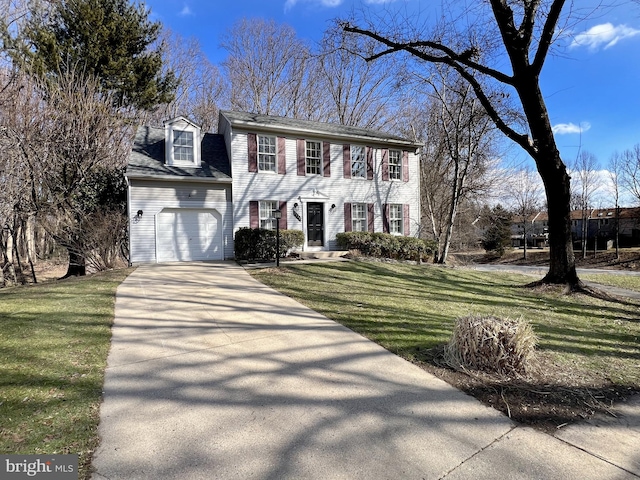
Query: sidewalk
214,375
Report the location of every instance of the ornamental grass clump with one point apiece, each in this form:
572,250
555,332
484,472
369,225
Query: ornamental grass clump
492,344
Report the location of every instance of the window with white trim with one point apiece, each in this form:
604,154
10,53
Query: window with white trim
314,158
267,218
183,146
358,162
395,219
266,153
359,217
395,165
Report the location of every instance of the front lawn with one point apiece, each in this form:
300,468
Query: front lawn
410,310
54,340
630,282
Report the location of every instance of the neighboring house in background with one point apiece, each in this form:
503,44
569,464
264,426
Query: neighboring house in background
601,224
536,231
187,201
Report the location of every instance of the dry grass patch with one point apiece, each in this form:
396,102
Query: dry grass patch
488,343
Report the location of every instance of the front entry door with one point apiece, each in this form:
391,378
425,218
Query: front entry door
315,224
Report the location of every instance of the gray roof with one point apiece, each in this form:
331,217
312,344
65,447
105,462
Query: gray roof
147,158
291,125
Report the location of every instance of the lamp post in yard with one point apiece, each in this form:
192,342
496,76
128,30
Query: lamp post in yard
277,214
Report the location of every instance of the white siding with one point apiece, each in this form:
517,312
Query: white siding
334,190
153,196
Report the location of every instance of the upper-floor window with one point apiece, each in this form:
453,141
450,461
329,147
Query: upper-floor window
266,153
395,165
182,146
313,158
182,143
395,219
267,217
359,217
358,162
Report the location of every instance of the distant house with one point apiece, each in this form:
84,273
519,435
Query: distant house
600,223
190,192
534,230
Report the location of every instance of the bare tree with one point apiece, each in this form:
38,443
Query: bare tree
19,193
356,92
630,170
457,159
615,175
68,141
201,91
266,67
526,29
525,196
585,171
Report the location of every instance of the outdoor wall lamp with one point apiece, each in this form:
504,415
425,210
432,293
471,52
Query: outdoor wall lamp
333,207
139,214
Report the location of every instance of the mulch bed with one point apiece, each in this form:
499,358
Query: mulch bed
547,400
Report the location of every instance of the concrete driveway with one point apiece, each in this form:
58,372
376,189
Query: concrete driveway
212,375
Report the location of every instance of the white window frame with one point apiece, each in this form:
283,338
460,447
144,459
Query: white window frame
359,217
313,157
265,214
395,165
358,161
267,153
183,146
173,145
396,219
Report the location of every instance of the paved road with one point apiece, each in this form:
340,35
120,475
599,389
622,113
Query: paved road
213,375
541,271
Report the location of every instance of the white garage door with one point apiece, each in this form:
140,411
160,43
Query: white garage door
184,235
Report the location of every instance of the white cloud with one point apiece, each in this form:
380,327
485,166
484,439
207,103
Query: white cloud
568,128
186,11
289,4
606,35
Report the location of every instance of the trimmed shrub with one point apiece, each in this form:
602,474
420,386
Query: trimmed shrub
385,245
260,243
491,344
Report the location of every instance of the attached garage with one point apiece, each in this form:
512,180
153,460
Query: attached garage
188,234
179,197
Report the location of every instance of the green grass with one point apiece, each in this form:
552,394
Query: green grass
54,340
410,309
623,281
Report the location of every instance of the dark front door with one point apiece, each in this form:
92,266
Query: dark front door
315,224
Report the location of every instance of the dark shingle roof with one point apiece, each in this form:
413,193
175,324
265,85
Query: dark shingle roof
284,124
147,158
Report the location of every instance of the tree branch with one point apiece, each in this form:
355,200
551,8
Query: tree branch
547,35
449,58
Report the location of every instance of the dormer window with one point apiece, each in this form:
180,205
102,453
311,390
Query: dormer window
182,146
182,140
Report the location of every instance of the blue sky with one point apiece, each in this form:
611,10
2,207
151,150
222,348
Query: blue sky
591,82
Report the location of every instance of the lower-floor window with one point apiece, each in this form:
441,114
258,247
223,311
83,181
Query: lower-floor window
395,219
267,218
359,217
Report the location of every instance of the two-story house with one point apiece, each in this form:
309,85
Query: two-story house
189,192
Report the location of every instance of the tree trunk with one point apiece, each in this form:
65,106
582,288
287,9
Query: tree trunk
556,180
562,262
77,264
